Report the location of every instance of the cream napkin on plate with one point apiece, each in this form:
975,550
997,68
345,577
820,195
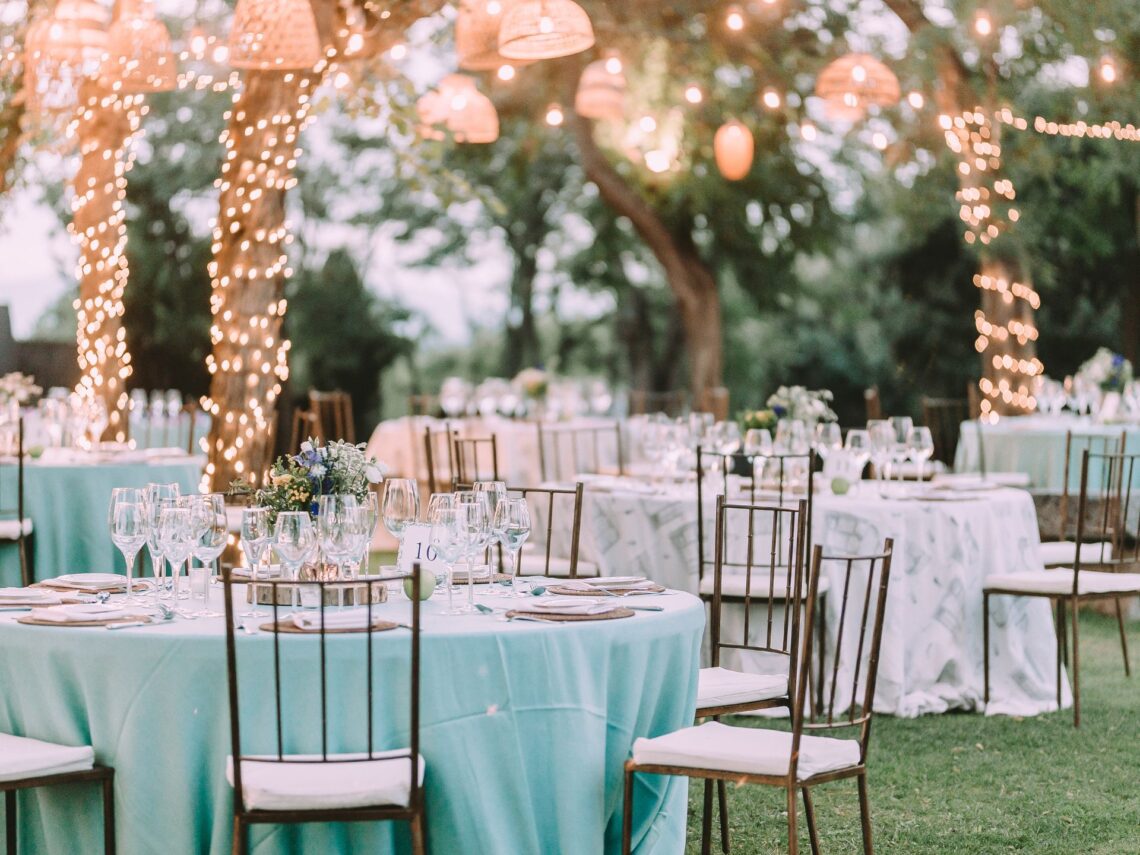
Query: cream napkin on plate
570,606
310,621
609,583
81,612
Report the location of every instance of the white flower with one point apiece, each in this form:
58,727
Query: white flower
306,446
318,470
374,471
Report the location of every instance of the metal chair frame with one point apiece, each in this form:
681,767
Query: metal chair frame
104,775
469,453
944,417
333,410
550,466
432,439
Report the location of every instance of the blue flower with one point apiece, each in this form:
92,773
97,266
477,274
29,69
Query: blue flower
780,411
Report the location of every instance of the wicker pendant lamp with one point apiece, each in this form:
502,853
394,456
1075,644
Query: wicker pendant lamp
601,90
733,147
855,82
274,35
140,56
459,109
545,29
61,49
477,33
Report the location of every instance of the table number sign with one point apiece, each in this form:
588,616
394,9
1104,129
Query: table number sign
417,547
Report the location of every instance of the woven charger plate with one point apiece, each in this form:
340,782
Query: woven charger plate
615,614
290,627
608,592
461,578
31,621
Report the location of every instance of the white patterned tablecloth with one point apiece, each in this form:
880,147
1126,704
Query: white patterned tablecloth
931,660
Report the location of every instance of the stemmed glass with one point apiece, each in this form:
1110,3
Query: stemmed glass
255,537
882,440
758,449
158,496
400,509
128,523
828,438
919,446
371,505
495,492
295,542
902,426
478,531
209,512
512,526
176,535
449,537
341,529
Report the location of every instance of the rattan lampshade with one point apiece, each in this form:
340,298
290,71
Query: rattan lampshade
62,48
544,29
460,109
477,33
733,147
601,90
855,82
140,56
274,35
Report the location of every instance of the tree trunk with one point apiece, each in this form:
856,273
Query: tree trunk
1130,314
105,129
521,349
690,279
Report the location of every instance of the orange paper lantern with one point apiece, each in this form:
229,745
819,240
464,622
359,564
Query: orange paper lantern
733,146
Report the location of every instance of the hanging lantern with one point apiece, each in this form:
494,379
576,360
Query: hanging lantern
477,33
733,147
274,35
855,82
545,29
61,49
601,89
140,57
460,109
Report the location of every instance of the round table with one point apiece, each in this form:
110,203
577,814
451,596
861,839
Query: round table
66,495
525,728
944,548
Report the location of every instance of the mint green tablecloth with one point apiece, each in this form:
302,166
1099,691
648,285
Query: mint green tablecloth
67,503
525,729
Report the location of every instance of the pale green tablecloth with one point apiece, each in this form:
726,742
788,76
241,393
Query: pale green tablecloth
525,728
68,502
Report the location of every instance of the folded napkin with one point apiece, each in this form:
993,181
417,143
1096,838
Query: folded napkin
334,619
81,612
88,581
609,583
570,606
27,594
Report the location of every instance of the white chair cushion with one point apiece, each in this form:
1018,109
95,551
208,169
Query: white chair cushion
1060,581
719,687
751,751
1061,553
10,529
313,786
21,757
733,584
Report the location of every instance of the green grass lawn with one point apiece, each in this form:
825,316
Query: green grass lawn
964,784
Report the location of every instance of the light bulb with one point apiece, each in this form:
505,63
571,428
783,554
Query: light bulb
734,19
1107,70
657,161
771,98
808,131
554,115
398,51
613,65
916,100
693,94
506,72
545,25
983,23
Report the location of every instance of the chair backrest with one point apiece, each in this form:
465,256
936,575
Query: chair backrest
773,577
439,449
715,400
1108,513
872,403
333,411
191,410
546,504
1076,444
783,466
474,458
305,425
564,451
974,400
944,417
673,404
346,690
423,405
860,599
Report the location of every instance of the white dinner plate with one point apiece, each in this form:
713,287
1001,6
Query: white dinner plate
91,579
610,581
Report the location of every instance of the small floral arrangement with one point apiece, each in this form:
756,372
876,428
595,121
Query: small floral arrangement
1110,371
297,481
806,405
532,382
758,420
18,387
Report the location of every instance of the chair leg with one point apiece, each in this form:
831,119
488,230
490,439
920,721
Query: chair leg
809,812
10,819
240,834
793,836
986,646
109,814
1123,637
1064,624
417,828
821,651
865,815
1076,663
706,819
627,814
1062,642
722,799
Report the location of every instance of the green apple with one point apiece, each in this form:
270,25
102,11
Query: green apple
839,486
35,452
427,584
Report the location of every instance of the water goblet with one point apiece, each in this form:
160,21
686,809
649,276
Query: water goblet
478,530
255,536
209,511
295,542
449,537
128,523
920,446
512,525
176,535
158,496
400,508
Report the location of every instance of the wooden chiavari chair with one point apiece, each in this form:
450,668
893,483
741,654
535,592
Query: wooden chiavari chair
673,404
546,504
872,403
15,526
1105,521
369,785
581,448
439,448
333,411
799,759
944,417
1063,552
475,458
305,425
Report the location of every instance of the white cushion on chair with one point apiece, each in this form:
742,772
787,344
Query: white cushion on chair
1060,581
719,687
733,584
10,529
1059,553
269,785
21,757
751,751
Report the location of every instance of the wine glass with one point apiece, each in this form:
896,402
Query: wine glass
758,448
158,496
401,508
920,446
478,530
858,442
371,505
449,537
727,437
495,491
882,442
255,536
341,523
128,523
512,526
295,542
828,438
791,437
176,537
209,512
437,501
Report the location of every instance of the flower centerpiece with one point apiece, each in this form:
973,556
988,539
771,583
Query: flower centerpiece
758,420
532,383
18,387
1109,371
806,405
297,481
